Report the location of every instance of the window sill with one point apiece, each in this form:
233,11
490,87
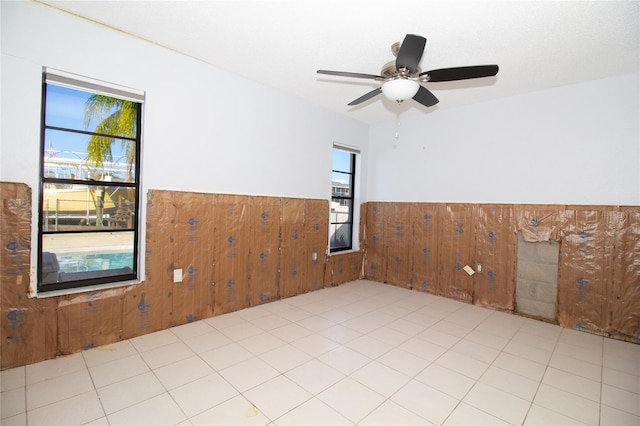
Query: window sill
88,289
338,253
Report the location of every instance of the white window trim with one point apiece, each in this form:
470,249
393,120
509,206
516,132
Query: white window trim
79,82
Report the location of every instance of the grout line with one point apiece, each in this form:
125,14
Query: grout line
542,378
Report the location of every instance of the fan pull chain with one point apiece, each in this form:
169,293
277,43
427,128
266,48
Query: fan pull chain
397,127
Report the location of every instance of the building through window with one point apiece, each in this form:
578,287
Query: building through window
341,220
89,188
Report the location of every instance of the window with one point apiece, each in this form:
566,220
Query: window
342,210
89,185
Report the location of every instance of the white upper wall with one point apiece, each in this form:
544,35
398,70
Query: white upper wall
204,129
212,131
576,144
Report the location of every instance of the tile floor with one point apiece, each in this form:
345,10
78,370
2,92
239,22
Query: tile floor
362,353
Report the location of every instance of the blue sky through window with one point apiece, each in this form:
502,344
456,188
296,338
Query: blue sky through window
65,108
341,162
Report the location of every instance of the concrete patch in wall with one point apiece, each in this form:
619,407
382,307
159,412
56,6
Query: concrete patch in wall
537,278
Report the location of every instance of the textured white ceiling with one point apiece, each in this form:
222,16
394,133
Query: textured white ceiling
281,43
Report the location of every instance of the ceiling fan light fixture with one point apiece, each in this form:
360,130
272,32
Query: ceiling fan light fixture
401,78
399,89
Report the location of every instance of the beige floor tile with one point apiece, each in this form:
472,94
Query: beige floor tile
53,368
621,380
576,366
340,334
12,402
314,376
344,359
167,354
241,331
17,420
108,353
159,410
248,374
572,383
351,399
425,401
226,356
465,415
315,323
476,351
486,339
237,411
277,396
202,394
527,351
285,358
207,342
423,349
448,381
154,340
111,372
612,416
404,362
540,416
391,414
270,321
192,329
369,346
621,399
261,343
509,382
389,336
315,345
225,320
497,403
58,388
568,404
313,413
77,410
291,332
12,378
523,367
129,392
182,372
380,378
463,364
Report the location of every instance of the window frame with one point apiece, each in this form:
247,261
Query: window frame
70,81
349,199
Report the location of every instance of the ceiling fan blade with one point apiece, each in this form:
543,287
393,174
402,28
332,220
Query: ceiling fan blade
425,97
349,74
410,52
366,96
461,73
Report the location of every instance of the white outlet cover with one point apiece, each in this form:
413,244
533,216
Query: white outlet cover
177,275
469,270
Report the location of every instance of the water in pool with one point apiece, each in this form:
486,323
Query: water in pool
75,262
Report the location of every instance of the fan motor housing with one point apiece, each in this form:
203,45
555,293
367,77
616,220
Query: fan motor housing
389,70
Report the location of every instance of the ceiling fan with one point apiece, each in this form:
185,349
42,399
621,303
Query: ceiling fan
401,78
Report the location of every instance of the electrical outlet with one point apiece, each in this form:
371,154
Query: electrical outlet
177,275
314,256
479,267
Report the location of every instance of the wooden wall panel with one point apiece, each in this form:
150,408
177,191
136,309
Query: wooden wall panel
425,247
495,250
